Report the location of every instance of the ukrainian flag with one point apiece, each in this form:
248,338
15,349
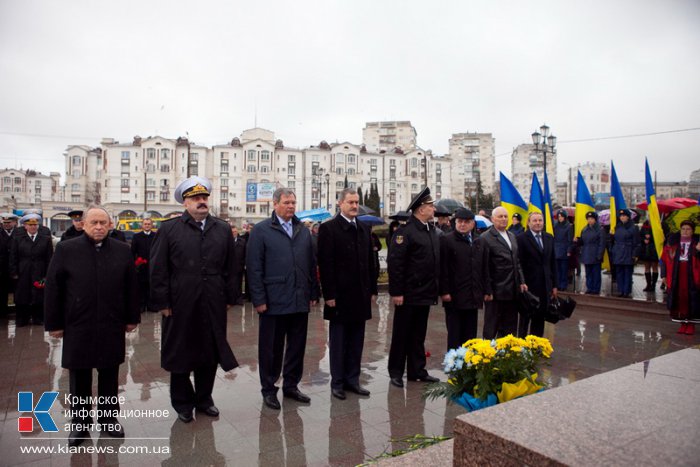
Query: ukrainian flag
617,201
536,196
653,212
584,204
511,200
548,223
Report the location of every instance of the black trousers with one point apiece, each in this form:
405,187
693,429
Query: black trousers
4,295
80,384
144,291
533,325
345,343
24,312
408,341
500,318
184,397
461,326
273,331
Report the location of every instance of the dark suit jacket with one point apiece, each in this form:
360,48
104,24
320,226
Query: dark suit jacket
239,247
346,263
141,248
501,274
459,265
539,266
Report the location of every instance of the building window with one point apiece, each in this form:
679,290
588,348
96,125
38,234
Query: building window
351,158
18,180
75,198
7,188
340,158
151,195
125,155
251,169
339,170
194,156
76,160
151,153
291,170
351,171
125,182
291,158
164,195
414,163
18,189
164,154
264,169
165,168
264,209
265,155
7,180
250,209
251,155
291,184
150,182
75,187
224,155
340,185
194,170
224,166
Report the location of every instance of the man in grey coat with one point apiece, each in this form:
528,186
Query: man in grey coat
281,269
502,278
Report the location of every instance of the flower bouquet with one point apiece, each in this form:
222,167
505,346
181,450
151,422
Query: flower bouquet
484,373
41,284
140,262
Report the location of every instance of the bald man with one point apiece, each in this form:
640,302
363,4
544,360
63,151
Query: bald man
502,277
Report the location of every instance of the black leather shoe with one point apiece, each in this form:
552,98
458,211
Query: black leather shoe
211,411
297,395
185,417
426,379
398,382
357,389
338,393
77,437
271,401
113,428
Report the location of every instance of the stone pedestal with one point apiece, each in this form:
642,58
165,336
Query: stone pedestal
647,413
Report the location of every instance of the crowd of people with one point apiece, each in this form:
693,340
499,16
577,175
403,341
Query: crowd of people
91,289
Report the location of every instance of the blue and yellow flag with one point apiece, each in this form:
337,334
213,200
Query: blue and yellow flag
511,200
584,205
617,201
536,197
548,222
653,212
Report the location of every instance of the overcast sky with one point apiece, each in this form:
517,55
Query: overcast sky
72,72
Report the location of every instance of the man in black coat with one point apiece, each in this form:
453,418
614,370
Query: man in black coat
141,251
30,254
460,288
91,301
536,254
9,222
192,280
414,271
240,245
501,277
348,282
76,229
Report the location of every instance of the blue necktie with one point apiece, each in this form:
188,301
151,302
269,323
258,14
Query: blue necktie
288,228
539,241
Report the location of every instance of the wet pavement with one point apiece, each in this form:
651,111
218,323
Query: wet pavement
327,431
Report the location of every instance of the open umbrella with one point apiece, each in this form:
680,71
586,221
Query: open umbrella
316,215
482,222
400,216
364,210
371,220
667,206
604,216
673,221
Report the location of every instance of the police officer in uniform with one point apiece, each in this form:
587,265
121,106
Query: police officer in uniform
75,230
9,222
516,225
414,269
624,251
192,270
141,248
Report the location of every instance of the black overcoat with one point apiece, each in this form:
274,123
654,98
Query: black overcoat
414,263
346,263
501,274
5,242
192,273
91,295
141,248
71,232
459,265
29,261
538,265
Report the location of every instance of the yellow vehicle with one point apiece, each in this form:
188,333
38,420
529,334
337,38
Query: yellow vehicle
134,225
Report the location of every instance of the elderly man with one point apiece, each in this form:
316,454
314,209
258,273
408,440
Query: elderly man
460,288
91,301
281,269
536,254
501,277
30,254
141,250
414,269
192,280
76,229
349,281
9,222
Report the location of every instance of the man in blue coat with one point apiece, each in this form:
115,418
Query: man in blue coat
281,269
625,248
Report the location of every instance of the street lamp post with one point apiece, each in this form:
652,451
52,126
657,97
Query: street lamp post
328,191
544,142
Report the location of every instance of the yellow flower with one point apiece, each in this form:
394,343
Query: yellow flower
516,349
476,359
510,341
471,342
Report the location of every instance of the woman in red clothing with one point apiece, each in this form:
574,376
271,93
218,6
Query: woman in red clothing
681,258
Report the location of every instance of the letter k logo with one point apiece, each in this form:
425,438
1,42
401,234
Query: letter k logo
25,403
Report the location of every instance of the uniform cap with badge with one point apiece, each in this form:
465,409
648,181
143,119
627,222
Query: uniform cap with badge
30,219
193,186
464,213
8,216
76,215
591,215
420,199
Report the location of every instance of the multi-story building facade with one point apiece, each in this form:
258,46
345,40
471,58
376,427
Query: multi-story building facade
141,175
26,188
473,162
386,136
525,160
596,175
635,192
